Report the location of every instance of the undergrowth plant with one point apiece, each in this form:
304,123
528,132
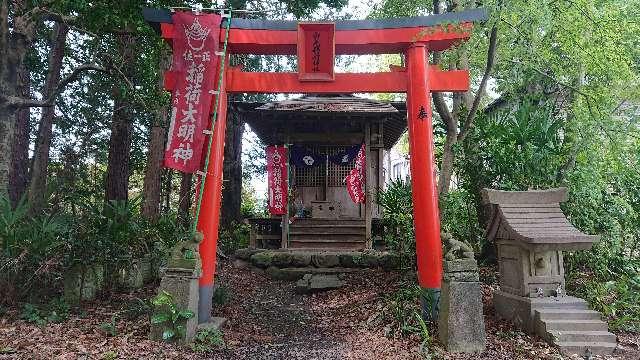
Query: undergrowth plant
207,340
169,317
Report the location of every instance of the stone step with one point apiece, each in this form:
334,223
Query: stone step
575,325
567,314
292,274
580,348
582,336
564,303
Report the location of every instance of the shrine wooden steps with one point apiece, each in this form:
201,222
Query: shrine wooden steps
327,234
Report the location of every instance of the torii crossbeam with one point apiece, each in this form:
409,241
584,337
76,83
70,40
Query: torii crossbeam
414,36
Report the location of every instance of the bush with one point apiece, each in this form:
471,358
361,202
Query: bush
397,219
234,237
36,250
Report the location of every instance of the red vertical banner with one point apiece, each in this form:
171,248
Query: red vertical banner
355,179
194,68
277,177
316,51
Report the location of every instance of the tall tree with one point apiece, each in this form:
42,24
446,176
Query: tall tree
117,180
232,170
151,191
38,184
19,172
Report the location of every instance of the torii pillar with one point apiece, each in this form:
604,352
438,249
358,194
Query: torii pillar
423,173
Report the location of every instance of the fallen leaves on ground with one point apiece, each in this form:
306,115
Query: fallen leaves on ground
268,320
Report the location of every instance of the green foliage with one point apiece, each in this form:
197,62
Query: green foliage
110,355
221,295
234,237
397,207
169,317
37,250
56,311
402,310
207,340
110,328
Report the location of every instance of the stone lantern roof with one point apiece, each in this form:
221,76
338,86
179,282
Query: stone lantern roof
534,218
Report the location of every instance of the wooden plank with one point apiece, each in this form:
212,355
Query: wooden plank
368,186
556,215
554,209
538,221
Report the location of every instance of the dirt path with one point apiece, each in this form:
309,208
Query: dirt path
268,320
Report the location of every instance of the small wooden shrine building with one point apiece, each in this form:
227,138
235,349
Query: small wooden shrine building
321,213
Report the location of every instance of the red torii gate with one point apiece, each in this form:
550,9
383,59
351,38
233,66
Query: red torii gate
414,37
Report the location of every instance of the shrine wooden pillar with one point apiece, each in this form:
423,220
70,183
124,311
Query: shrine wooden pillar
209,219
423,184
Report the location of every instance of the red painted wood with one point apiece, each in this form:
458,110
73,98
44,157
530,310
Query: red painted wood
209,218
384,82
377,41
324,69
423,173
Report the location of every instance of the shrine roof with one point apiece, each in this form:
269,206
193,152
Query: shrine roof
533,217
340,118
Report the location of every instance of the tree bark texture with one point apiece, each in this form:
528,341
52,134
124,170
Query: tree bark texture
13,48
117,181
184,200
232,170
152,185
19,172
38,185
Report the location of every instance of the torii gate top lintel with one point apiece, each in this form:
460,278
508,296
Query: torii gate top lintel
377,36
352,37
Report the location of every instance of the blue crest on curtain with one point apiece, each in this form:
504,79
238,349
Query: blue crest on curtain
303,157
345,157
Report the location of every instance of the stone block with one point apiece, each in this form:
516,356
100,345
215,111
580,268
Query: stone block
461,276
315,283
281,259
349,259
262,259
245,254
370,258
325,260
461,323
389,261
83,283
299,258
291,274
460,265
183,287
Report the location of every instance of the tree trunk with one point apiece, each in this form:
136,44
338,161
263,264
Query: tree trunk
153,175
232,170
184,201
38,186
13,47
19,172
117,181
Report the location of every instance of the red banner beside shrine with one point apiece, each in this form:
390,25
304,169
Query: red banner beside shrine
195,65
355,179
277,176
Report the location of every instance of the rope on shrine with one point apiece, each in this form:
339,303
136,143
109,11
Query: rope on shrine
223,58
